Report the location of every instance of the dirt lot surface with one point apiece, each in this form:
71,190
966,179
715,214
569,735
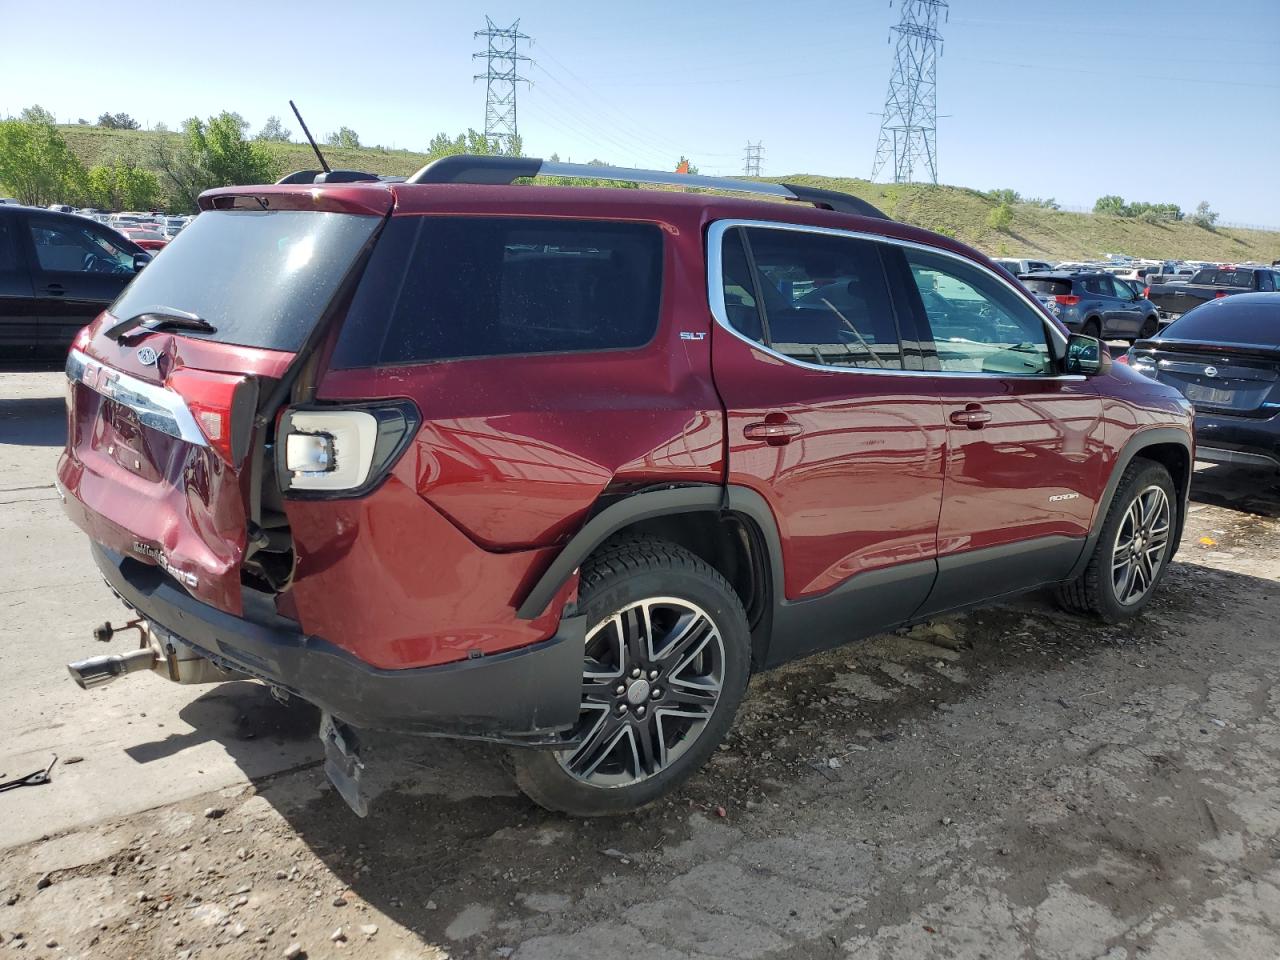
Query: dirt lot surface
1015,782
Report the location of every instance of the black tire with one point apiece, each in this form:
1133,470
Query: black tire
1150,327
1097,591
1092,328
625,584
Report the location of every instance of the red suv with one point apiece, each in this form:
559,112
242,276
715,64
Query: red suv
561,467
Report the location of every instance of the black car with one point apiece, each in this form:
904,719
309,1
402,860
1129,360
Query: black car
57,272
1224,356
1094,303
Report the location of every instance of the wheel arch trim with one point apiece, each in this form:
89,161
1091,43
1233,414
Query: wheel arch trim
1143,440
646,505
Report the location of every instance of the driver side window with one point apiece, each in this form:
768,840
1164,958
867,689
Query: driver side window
70,248
978,324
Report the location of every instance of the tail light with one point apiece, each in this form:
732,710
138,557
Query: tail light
1066,299
341,451
1220,294
1122,358
222,406
1146,293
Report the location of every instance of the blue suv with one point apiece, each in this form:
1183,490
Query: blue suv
1094,303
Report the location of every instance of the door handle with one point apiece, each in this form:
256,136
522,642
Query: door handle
56,289
972,416
773,432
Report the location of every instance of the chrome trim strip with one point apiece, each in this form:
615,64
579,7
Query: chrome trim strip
715,295
156,407
591,172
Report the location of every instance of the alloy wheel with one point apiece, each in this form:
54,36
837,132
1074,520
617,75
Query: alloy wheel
1141,545
651,680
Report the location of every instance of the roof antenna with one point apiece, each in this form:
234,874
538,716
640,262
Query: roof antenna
310,139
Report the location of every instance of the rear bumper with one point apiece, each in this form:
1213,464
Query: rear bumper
520,696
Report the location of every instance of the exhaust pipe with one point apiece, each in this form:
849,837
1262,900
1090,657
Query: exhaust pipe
97,671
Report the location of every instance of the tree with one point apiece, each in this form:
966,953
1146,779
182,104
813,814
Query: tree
118,121
472,142
273,131
345,137
1204,217
1111,204
1005,196
123,185
37,166
161,127
685,165
212,153
1001,217
37,114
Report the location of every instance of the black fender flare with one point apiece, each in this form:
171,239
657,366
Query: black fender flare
645,505
1140,441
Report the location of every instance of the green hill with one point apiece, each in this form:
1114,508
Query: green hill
956,211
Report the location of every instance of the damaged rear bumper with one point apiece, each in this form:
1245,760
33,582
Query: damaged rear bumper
524,696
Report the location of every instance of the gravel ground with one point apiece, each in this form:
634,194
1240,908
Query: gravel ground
1015,782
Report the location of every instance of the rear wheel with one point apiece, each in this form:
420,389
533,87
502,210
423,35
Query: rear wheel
665,666
1092,328
1133,550
1150,327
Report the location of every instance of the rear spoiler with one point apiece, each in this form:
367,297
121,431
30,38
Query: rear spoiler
494,170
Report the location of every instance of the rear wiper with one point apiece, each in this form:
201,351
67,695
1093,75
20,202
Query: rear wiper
155,318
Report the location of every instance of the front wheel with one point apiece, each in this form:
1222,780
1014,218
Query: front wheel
665,665
1133,550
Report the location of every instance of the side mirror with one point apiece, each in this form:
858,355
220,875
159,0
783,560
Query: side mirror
140,260
1087,356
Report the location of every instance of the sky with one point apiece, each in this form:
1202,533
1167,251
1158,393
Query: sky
1167,101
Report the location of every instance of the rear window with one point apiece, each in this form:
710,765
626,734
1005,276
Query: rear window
262,278
1241,319
1225,278
1048,288
447,288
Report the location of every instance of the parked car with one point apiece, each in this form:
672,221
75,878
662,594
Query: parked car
145,237
1095,304
1173,300
1017,267
1224,356
482,463
57,272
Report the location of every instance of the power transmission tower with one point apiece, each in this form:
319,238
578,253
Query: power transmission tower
501,75
754,153
909,124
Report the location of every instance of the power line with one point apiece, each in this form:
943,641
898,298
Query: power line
751,156
909,124
502,60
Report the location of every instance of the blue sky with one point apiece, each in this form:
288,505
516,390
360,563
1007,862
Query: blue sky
1164,102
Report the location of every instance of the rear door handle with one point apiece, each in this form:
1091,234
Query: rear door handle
972,416
774,432
56,289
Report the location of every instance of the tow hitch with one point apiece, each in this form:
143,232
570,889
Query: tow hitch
157,650
97,671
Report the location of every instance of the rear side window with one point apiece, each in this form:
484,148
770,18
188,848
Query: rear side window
1049,288
813,297
262,278
446,288
1243,319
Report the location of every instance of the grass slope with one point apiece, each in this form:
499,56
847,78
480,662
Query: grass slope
955,211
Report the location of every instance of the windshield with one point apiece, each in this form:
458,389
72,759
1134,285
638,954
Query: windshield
261,278
1225,278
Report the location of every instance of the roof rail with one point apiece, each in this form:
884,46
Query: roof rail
467,168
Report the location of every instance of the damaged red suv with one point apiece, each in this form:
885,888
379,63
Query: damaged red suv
560,467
